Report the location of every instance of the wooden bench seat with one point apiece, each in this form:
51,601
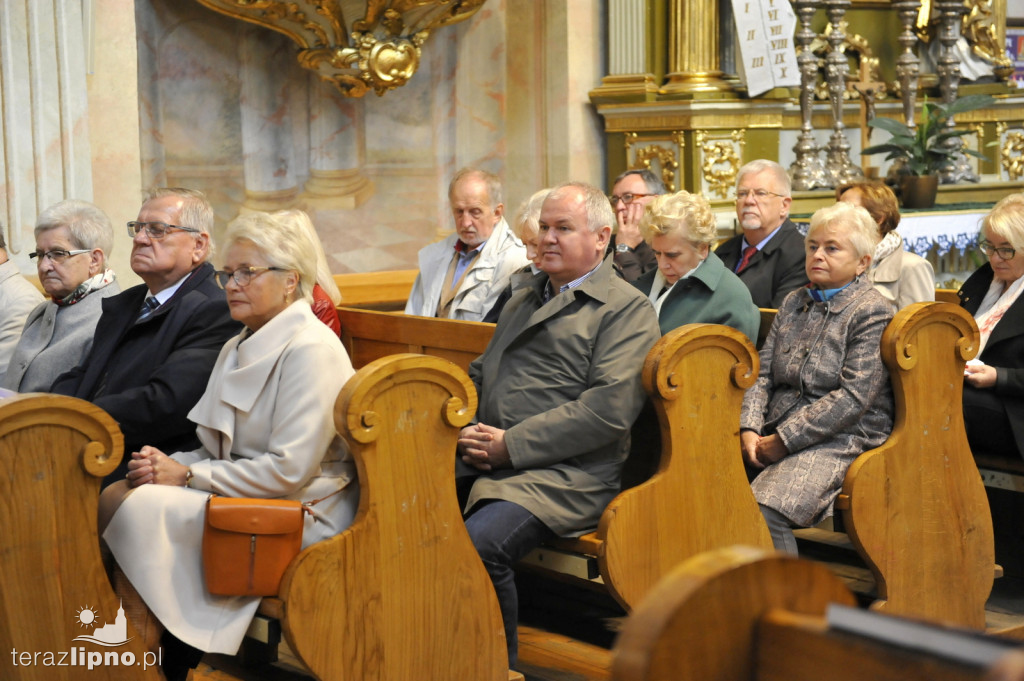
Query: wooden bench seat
376,290
743,613
54,452
696,376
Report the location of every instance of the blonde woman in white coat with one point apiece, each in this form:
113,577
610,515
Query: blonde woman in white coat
266,425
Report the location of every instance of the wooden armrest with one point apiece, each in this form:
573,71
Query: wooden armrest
588,544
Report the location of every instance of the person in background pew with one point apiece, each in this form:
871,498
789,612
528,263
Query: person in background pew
526,229
632,191
266,424
768,256
17,299
462,276
690,284
994,386
823,395
326,296
73,241
560,387
902,277
156,343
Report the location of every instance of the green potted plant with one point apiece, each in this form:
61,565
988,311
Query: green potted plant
924,150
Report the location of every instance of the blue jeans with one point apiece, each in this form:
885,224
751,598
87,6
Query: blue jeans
503,533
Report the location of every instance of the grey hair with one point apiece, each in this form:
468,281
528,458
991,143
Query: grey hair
196,211
654,184
526,223
88,226
491,180
782,183
599,210
282,242
862,228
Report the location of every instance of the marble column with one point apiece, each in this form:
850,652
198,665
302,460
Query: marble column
694,65
267,144
336,150
44,141
628,72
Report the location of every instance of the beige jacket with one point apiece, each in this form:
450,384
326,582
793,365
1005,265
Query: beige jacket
904,278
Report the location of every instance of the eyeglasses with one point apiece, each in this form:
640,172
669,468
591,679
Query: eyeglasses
759,194
1004,252
243,275
155,230
626,198
57,255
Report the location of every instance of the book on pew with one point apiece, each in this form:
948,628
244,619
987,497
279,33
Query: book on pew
965,646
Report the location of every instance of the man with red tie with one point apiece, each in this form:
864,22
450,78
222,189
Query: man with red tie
769,255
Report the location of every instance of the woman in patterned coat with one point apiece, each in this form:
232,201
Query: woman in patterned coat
823,395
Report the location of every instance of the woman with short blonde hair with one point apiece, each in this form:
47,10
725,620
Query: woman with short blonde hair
690,284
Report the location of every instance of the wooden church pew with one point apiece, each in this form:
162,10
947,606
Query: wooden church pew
54,452
376,290
915,508
744,613
401,594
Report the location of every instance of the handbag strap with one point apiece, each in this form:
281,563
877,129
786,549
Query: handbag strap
307,504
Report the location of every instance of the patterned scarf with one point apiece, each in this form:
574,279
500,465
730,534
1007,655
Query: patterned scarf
889,244
86,287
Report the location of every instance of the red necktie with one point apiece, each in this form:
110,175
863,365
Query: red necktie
748,253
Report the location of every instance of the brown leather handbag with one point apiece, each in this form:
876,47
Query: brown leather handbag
248,544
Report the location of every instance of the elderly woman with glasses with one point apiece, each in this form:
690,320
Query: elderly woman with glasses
994,385
73,240
823,395
267,430
691,284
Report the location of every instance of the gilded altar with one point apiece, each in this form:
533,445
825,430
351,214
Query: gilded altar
673,101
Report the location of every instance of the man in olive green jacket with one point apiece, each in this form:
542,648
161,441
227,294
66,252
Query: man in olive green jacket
559,389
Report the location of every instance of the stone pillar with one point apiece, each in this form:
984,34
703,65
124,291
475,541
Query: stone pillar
629,76
694,65
267,144
336,150
44,141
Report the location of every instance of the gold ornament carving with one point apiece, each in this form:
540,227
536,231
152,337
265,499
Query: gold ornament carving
1013,155
667,158
720,160
381,52
981,32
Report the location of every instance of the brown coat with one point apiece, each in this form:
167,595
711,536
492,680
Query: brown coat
844,408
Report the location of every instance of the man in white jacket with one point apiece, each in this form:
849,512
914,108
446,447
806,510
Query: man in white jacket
462,276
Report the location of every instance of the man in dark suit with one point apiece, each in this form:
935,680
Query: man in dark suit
769,255
156,343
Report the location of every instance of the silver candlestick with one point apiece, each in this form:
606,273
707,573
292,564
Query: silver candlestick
956,167
839,168
908,65
807,172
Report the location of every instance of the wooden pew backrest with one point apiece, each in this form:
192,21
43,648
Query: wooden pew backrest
376,290
369,335
54,452
401,594
915,507
947,295
699,499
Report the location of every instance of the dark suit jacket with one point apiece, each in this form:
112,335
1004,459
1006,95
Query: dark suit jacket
1004,350
775,270
149,375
